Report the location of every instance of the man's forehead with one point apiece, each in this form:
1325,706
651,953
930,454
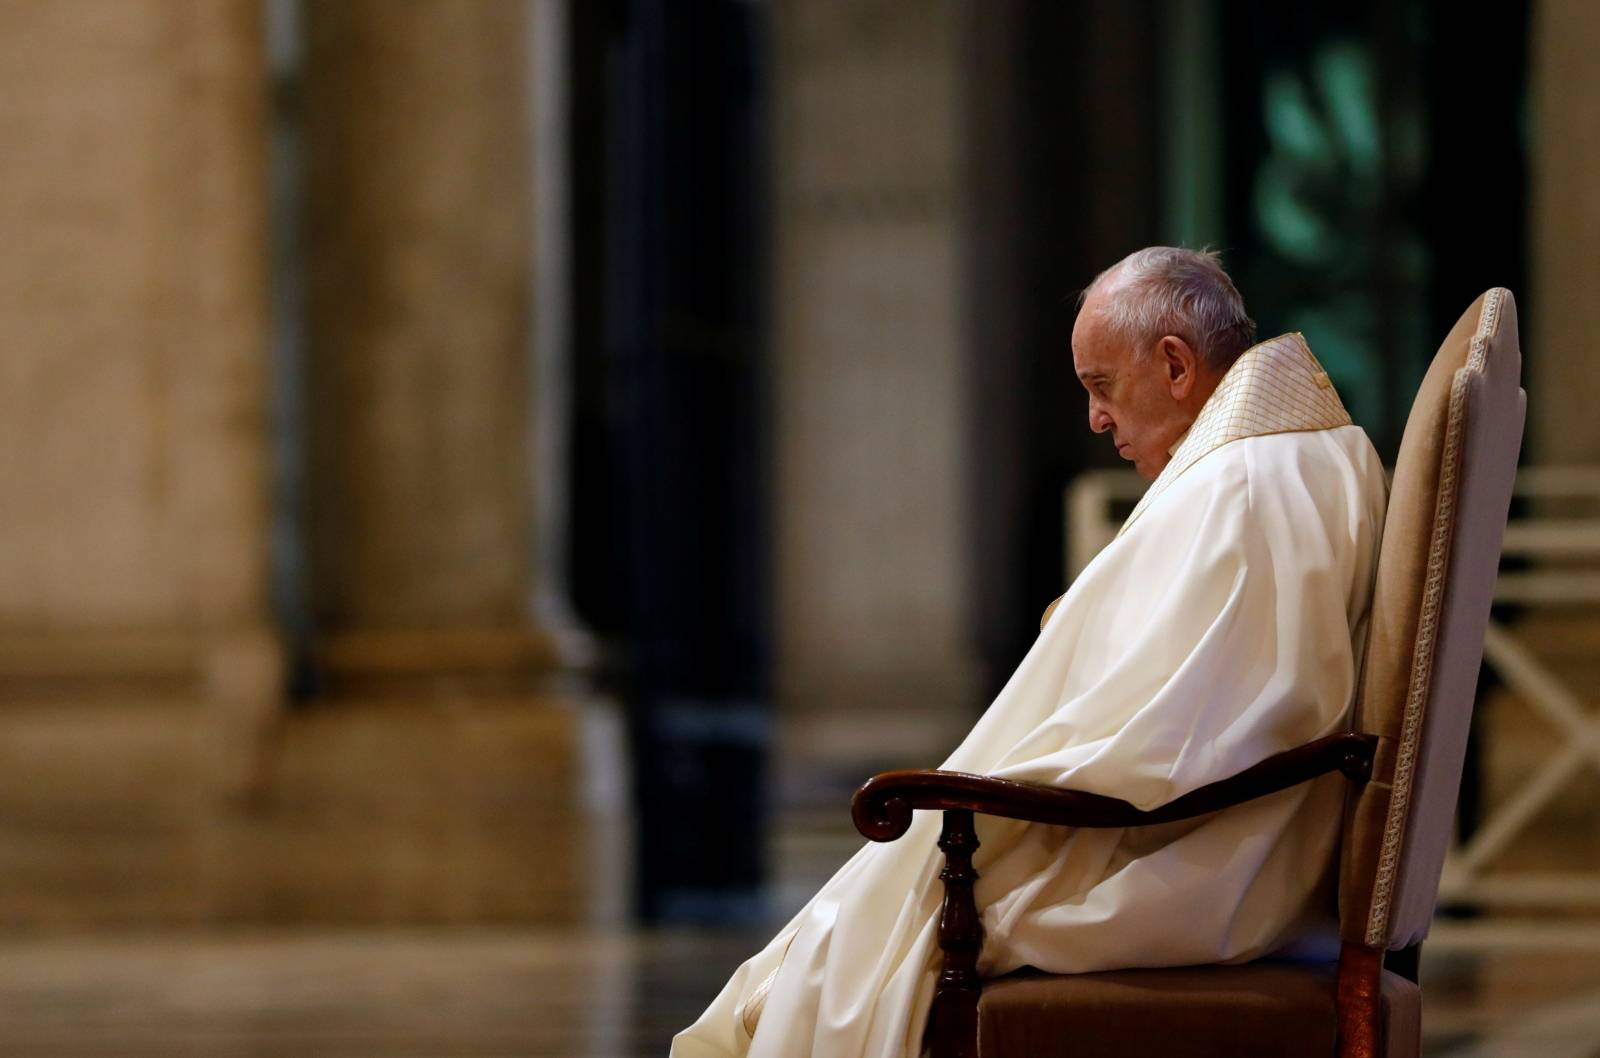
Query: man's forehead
1092,355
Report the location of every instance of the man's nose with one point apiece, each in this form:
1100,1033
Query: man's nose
1099,421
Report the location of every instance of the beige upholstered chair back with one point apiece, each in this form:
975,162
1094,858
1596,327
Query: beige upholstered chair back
1435,579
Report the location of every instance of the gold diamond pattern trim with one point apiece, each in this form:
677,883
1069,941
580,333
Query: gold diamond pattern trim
1275,386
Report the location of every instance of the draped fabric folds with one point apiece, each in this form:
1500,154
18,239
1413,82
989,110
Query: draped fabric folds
1221,626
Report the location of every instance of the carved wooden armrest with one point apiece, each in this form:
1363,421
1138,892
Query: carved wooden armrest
883,805
882,810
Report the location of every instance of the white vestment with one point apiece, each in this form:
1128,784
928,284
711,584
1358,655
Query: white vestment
1223,624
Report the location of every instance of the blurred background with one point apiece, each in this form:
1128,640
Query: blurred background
484,480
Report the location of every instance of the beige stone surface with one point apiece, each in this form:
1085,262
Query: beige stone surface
1563,335
418,225
870,368
116,814
132,457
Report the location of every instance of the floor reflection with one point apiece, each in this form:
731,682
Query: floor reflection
356,994
473,816
1489,991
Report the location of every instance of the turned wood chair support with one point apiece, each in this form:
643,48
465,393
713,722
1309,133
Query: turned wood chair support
954,1015
882,810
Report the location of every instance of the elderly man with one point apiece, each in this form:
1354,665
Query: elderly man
1225,623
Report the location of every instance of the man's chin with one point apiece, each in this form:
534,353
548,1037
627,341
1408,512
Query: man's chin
1148,471
1139,465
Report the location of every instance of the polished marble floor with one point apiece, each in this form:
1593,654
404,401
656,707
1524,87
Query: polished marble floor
444,880
1491,992
353,994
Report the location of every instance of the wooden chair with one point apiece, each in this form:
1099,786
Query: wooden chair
1436,571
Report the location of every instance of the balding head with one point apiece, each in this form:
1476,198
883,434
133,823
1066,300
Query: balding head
1164,290
1156,333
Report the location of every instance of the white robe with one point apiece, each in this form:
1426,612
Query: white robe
1224,624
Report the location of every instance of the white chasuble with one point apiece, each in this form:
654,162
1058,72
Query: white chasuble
1222,625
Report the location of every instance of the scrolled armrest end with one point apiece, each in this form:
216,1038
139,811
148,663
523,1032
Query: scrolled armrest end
880,813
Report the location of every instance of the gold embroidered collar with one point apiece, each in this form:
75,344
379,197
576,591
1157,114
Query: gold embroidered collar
1276,386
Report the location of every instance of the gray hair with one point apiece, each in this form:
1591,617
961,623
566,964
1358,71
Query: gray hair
1163,290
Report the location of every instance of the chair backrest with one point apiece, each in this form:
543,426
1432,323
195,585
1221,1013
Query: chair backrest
1435,580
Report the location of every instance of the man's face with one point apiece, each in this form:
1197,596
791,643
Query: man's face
1145,402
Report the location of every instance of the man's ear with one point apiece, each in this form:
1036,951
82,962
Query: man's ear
1181,363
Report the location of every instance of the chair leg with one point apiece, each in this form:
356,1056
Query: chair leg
1357,1000
953,1020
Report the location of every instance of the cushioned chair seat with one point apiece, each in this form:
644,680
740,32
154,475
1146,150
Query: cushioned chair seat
1261,1008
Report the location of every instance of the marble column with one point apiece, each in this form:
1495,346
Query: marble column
1560,332
422,531
132,389
872,579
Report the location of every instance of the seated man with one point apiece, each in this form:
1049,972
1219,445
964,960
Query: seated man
1223,624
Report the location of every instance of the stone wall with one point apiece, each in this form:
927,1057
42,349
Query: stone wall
871,440
132,454
1561,335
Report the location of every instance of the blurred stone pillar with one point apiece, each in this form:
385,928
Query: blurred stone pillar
870,378
421,521
132,436
1562,319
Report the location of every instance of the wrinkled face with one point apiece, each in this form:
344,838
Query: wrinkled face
1145,403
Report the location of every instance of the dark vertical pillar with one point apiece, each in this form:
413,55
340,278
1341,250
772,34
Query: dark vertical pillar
1063,178
673,413
1475,214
